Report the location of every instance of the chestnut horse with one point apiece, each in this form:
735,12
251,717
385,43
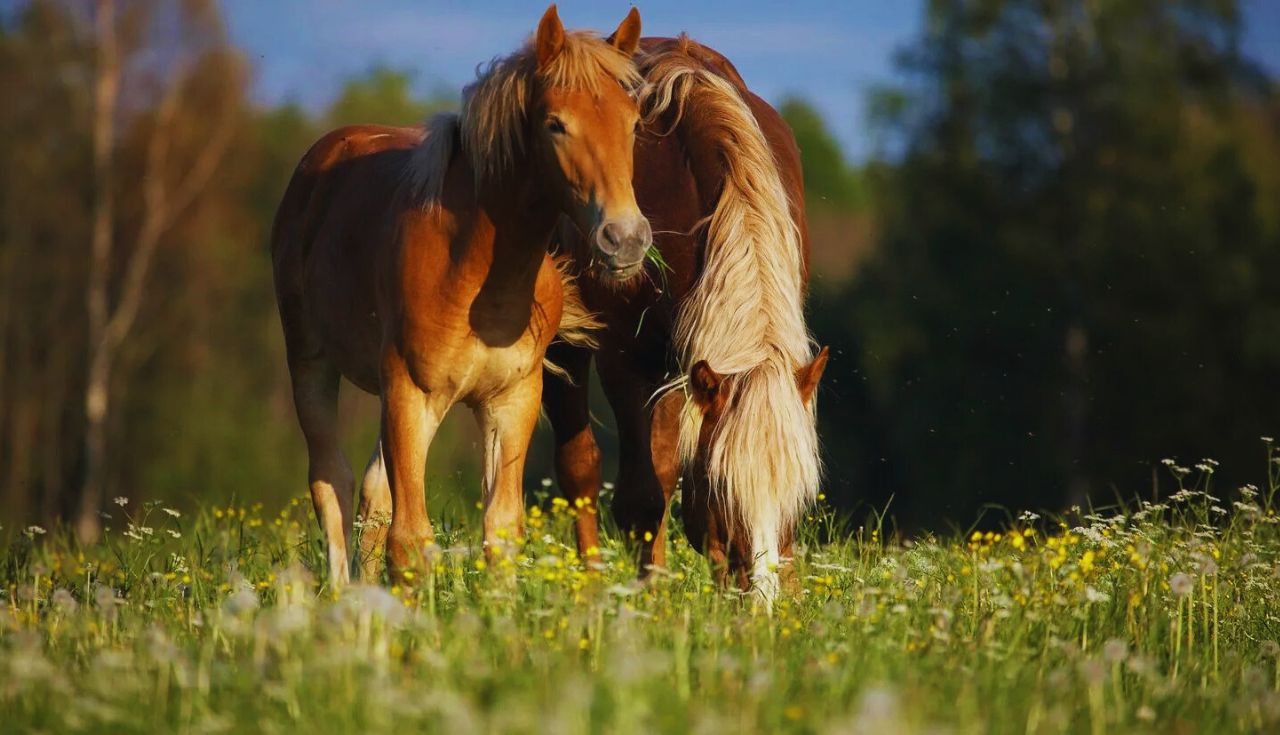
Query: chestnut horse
718,175
415,263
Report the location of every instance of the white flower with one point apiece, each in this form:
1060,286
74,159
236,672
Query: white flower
546,482
1115,650
34,531
121,501
63,600
239,603
173,512
174,533
1181,584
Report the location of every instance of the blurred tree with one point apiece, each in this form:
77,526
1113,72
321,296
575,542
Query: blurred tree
44,229
829,183
840,223
1070,282
385,96
182,149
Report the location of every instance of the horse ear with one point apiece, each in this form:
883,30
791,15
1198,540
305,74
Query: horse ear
704,383
808,376
550,39
627,38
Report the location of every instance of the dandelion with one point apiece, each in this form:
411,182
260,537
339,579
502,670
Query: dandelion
240,603
1181,584
105,598
63,601
1115,650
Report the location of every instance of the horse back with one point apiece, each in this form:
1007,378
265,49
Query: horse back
333,231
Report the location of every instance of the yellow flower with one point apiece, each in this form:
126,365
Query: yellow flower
1086,562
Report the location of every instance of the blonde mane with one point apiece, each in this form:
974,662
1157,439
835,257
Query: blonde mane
745,315
493,123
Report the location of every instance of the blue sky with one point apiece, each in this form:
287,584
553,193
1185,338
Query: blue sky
828,51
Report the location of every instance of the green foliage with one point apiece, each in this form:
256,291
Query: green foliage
829,183
383,96
1150,618
1070,276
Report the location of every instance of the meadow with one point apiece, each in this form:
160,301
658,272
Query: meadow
1148,617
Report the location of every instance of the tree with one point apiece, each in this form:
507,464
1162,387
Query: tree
170,182
1067,286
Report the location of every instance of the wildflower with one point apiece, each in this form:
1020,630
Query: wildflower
105,598
121,501
1086,562
63,600
34,531
1181,584
1115,650
173,512
240,603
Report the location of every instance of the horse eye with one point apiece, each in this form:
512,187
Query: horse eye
556,125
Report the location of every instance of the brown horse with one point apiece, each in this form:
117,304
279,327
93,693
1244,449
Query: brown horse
414,262
718,175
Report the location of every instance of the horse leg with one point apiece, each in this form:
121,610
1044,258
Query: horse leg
506,426
375,514
409,422
577,456
315,397
647,462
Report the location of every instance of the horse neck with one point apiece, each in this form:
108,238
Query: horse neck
520,218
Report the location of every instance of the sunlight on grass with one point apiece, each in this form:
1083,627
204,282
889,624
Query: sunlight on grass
1146,618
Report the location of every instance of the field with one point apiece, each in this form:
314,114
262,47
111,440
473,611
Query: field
1155,617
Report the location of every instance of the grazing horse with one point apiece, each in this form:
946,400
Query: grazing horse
720,321
414,262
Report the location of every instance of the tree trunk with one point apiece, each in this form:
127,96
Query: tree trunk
97,398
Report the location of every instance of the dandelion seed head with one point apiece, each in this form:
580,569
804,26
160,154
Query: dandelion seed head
1181,584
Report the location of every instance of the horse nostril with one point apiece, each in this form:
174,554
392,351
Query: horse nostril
612,236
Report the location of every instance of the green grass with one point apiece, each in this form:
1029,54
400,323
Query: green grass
1155,618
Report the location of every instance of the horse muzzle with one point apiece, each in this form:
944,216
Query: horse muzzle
620,246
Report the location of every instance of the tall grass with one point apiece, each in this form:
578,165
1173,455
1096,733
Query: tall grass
1158,617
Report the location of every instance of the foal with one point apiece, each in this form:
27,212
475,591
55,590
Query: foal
414,262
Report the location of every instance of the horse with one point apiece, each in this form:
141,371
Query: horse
414,262
718,174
